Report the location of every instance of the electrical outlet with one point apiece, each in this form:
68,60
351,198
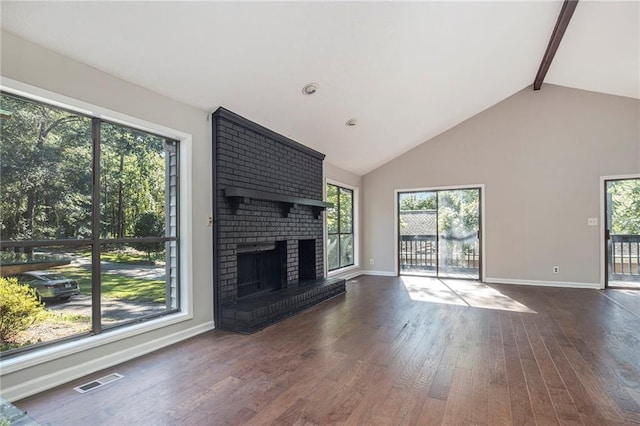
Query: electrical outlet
210,221
370,261
556,269
592,221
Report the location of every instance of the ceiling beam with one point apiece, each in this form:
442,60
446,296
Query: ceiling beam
568,7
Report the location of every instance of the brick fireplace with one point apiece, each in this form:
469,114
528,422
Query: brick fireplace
268,228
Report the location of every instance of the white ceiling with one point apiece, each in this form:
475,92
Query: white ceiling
405,71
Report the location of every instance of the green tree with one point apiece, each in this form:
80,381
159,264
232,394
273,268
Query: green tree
45,172
149,224
624,197
418,201
132,178
458,213
457,209
339,226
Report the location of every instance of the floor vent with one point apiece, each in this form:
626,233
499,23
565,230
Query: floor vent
98,383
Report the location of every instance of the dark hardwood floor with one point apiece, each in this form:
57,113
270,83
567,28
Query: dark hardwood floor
390,351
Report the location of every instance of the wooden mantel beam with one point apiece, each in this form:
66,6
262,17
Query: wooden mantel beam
568,7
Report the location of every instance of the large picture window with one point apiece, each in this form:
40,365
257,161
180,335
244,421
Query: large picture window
88,224
340,241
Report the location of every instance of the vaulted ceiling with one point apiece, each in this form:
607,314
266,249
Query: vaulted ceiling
405,71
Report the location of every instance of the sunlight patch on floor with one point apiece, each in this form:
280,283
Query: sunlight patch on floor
459,292
633,285
430,290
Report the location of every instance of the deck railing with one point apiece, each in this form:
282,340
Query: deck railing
419,252
624,257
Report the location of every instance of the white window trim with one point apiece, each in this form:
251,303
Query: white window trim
356,230
56,351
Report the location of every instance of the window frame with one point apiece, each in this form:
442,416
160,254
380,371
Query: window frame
26,357
354,227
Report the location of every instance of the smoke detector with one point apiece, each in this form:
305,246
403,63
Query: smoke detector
310,89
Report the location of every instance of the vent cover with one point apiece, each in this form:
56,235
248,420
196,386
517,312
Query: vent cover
98,383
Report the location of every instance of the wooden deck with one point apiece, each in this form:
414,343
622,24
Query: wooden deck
391,351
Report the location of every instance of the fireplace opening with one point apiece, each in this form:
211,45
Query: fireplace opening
306,260
260,268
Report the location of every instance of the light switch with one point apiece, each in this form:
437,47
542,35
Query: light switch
592,221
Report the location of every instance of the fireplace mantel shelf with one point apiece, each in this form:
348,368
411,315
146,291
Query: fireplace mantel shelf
287,202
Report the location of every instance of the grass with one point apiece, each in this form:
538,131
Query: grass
129,256
119,287
62,317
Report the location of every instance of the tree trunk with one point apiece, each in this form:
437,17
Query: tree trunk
120,199
32,195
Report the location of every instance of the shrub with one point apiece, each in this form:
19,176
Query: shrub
19,309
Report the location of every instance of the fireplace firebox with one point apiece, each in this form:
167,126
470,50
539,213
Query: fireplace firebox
259,268
306,260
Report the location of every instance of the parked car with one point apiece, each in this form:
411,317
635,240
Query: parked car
50,285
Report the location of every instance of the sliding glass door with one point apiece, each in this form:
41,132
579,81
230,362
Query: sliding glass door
622,231
439,233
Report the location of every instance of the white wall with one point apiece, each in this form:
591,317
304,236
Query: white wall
340,175
540,156
31,64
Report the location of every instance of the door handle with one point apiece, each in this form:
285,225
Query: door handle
607,234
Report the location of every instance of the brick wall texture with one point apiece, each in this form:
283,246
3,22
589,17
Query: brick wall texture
251,157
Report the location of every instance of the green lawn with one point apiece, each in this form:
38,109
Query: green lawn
131,258
119,287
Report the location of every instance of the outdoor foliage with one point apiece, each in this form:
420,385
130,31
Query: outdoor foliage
46,173
418,201
343,199
19,309
339,227
132,179
458,213
457,210
624,196
47,191
149,224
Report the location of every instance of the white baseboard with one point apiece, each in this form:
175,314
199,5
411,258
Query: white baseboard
351,275
379,273
566,284
347,275
60,377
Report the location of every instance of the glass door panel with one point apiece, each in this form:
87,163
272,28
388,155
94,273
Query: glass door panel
418,247
458,231
623,233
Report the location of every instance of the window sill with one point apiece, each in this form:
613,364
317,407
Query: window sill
46,354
